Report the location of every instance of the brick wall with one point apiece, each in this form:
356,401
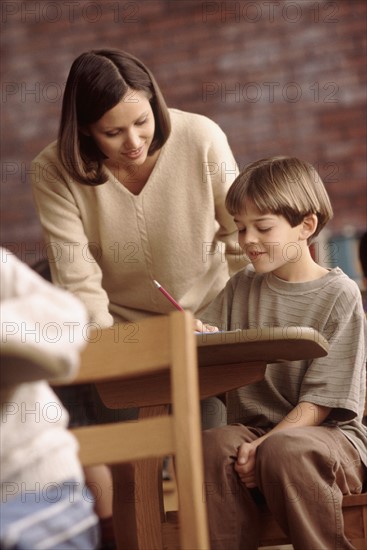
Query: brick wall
280,77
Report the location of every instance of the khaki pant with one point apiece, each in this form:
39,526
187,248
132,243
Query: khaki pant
302,473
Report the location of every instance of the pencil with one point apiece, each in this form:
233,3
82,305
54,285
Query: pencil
168,296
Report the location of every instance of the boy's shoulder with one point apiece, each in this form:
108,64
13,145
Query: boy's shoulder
335,284
336,292
342,284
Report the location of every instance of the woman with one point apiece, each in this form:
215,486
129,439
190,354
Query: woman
132,192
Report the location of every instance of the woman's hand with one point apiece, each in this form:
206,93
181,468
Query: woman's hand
201,327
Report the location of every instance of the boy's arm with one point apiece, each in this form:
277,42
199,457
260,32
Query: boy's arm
304,414
202,327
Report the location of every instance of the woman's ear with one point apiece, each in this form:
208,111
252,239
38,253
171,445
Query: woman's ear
309,226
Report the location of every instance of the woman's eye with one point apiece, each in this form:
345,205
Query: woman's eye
141,122
112,134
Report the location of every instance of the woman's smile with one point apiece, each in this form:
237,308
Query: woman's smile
125,132
134,153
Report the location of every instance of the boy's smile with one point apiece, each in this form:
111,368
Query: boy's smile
272,245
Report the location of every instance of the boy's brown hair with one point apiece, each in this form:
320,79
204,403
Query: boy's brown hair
285,186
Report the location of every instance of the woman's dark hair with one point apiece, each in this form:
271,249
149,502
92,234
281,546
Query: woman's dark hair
362,250
97,81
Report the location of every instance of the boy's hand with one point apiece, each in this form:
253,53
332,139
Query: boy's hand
245,464
200,327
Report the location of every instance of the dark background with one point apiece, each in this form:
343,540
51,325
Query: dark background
280,77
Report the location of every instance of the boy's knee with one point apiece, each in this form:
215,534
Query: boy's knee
213,413
212,442
220,443
278,446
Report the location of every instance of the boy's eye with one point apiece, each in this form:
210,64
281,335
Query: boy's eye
264,229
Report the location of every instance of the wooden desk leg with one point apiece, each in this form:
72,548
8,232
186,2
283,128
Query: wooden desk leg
138,509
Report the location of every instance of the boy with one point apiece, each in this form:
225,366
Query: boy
296,438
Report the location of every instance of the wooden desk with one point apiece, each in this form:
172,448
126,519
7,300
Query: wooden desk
226,361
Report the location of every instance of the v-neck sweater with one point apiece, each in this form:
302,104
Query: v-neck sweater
107,245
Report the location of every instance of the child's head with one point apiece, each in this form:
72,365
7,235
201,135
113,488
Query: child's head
284,186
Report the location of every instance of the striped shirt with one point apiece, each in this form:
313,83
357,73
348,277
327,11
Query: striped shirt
332,305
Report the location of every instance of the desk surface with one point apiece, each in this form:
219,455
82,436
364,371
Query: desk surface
226,360
119,353
269,344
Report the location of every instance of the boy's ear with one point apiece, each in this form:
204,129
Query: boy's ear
309,226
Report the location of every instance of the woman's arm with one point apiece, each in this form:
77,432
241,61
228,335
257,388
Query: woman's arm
70,258
223,170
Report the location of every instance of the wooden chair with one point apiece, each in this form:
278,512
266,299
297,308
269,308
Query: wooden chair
355,524
163,343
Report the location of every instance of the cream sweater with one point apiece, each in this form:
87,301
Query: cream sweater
107,245
333,306
42,332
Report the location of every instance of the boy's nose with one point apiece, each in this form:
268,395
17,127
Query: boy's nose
249,237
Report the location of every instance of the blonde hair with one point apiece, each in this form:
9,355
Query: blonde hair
285,186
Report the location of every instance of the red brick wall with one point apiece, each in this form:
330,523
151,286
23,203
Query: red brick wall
280,77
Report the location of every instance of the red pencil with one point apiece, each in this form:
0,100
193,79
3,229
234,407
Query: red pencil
168,296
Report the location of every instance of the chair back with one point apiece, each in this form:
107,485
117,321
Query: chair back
133,350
